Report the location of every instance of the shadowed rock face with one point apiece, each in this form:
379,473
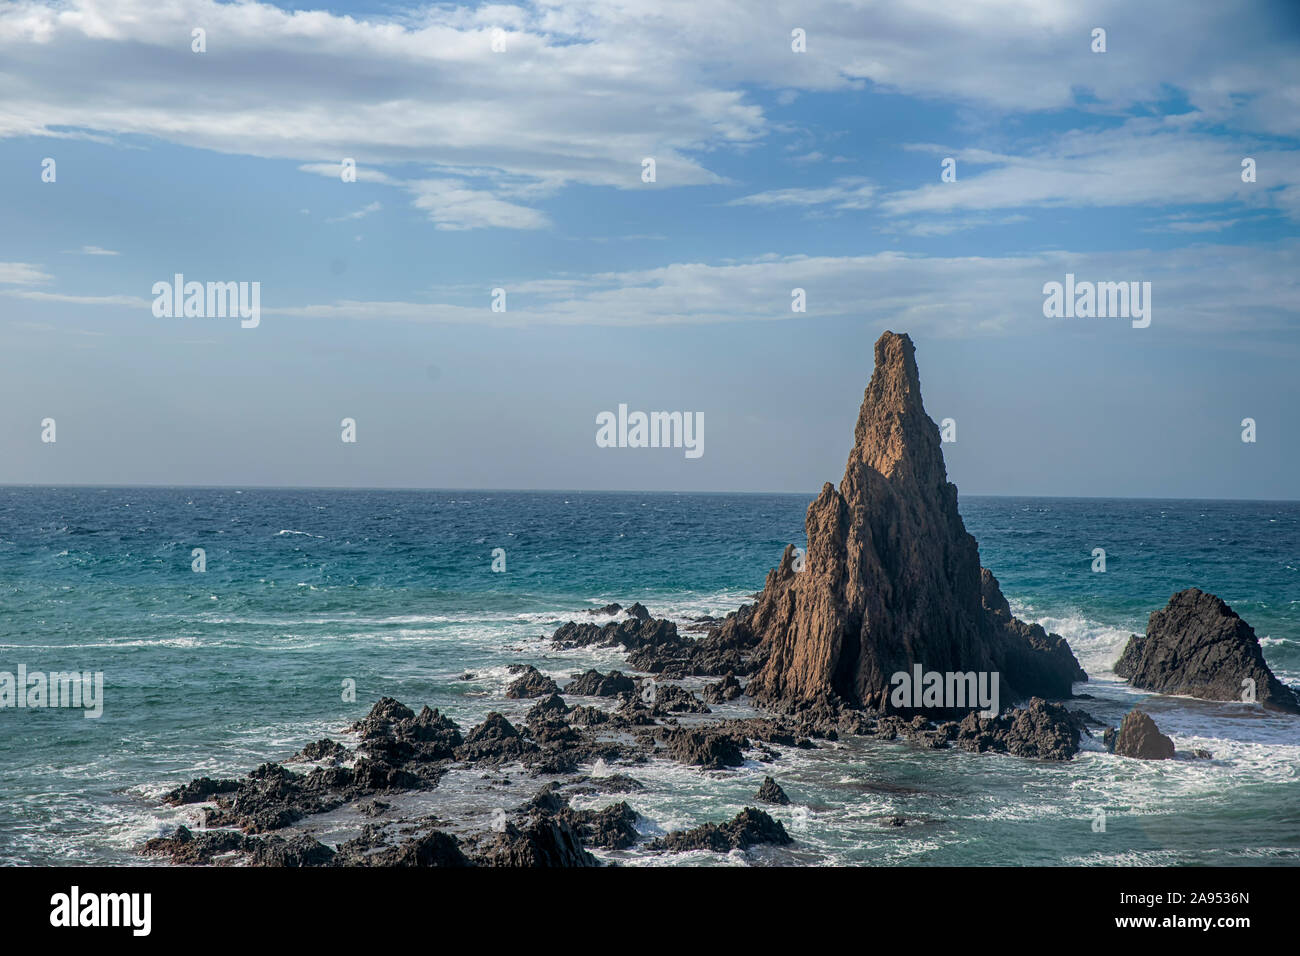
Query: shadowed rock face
1198,646
891,576
1139,737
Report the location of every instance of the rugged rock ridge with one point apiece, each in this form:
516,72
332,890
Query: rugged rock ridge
892,578
1198,646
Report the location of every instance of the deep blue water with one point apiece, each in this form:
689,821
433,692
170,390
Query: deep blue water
215,672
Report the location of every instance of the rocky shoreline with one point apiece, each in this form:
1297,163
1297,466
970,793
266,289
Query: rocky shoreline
624,721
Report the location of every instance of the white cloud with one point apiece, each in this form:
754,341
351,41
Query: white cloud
585,91
21,273
1142,162
93,251
359,213
1212,288
847,193
133,301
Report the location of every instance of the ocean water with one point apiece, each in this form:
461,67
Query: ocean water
215,672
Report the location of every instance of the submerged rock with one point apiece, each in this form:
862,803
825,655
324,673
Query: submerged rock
1197,646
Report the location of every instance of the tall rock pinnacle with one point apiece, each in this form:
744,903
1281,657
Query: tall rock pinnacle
891,577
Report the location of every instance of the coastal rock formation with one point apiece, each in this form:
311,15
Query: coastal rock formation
1042,731
1139,737
533,683
705,748
725,690
771,792
891,577
749,827
1197,646
595,684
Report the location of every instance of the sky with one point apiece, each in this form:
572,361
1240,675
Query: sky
504,147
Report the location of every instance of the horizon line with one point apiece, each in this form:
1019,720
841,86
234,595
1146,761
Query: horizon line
593,491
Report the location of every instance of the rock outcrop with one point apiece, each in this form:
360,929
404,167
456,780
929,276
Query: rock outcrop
1197,646
1139,737
891,577
533,683
771,792
749,827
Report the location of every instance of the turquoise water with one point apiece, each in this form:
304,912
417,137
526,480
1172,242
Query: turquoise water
215,672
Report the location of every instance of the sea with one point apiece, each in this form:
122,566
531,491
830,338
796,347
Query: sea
303,594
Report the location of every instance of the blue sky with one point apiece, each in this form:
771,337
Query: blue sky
521,170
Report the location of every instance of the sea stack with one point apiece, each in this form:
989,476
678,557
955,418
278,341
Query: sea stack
1197,646
891,578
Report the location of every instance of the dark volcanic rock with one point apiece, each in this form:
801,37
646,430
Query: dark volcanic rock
704,748
188,849
393,733
322,751
495,740
749,827
1043,730
1197,646
638,611
594,684
199,791
428,849
891,577
552,708
672,699
771,792
1139,737
614,783
613,828
724,691
295,851
533,684
607,609
545,841
631,633
379,722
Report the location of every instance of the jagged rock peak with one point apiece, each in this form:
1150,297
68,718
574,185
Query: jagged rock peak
893,433
891,578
